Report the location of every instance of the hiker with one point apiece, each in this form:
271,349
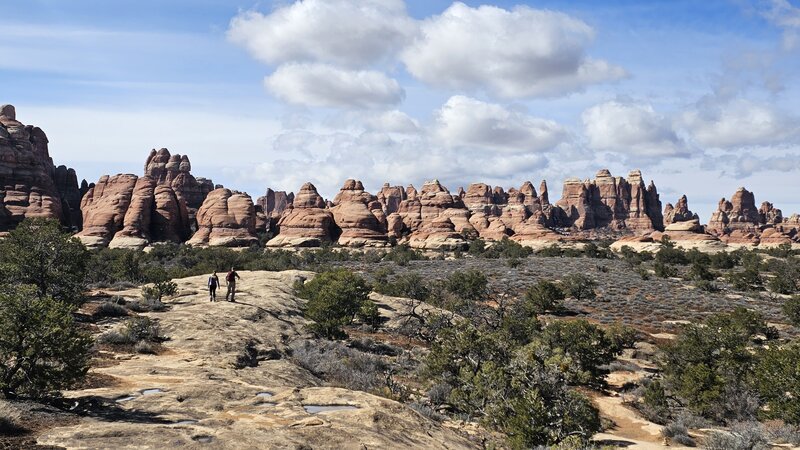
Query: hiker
231,280
213,283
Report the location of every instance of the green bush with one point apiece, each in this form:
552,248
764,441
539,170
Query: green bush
665,270
409,285
403,254
655,406
778,382
669,254
41,348
579,286
785,277
723,260
38,253
545,296
748,279
334,298
468,285
791,308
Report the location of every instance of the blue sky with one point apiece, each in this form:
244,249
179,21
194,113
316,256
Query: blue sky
700,95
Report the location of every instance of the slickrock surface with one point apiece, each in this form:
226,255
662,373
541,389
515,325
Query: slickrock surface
226,219
224,381
30,184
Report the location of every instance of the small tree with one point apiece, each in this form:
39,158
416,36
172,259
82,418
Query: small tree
792,310
468,285
41,349
38,253
579,286
334,299
544,296
778,382
162,286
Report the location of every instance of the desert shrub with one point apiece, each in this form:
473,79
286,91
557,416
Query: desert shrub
698,271
510,389
553,251
142,329
748,279
38,253
780,251
741,436
334,298
784,278
110,309
707,366
41,348
162,285
368,313
513,262
506,248
669,254
468,285
427,412
654,405
706,286
544,296
409,285
579,286
621,336
145,347
403,254
677,431
592,250
723,260
791,308
477,247
664,270
583,348
777,376
643,273
340,365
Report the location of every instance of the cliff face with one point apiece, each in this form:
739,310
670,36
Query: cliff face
30,184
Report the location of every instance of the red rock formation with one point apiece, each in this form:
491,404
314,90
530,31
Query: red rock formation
307,224
226,219
30,185
437,234
104,207
390,198
769,215
678,213
739,213
359,226
175,171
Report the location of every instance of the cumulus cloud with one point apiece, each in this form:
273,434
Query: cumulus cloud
523,52
323,85
392,122
748,164
635,129
467,122
738,123
353,33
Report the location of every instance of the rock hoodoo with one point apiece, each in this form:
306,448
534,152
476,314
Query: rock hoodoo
226,219
359,216
127,211
679,213
308,223
30,184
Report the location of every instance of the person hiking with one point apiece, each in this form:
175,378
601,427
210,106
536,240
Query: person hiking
230,279
213,284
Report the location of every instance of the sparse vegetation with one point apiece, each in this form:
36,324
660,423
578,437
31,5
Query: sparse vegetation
334,298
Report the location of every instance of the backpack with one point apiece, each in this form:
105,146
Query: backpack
212,281
231,277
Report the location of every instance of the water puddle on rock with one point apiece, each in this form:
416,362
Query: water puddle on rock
203,439
185,422
316,409
152,391
125,399
264,395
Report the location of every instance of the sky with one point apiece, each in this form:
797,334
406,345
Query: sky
701,96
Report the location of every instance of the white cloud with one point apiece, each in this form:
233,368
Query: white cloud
353,33
785,16
467,122
635,129
748,164
519,53
322,85
392,122
738,123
